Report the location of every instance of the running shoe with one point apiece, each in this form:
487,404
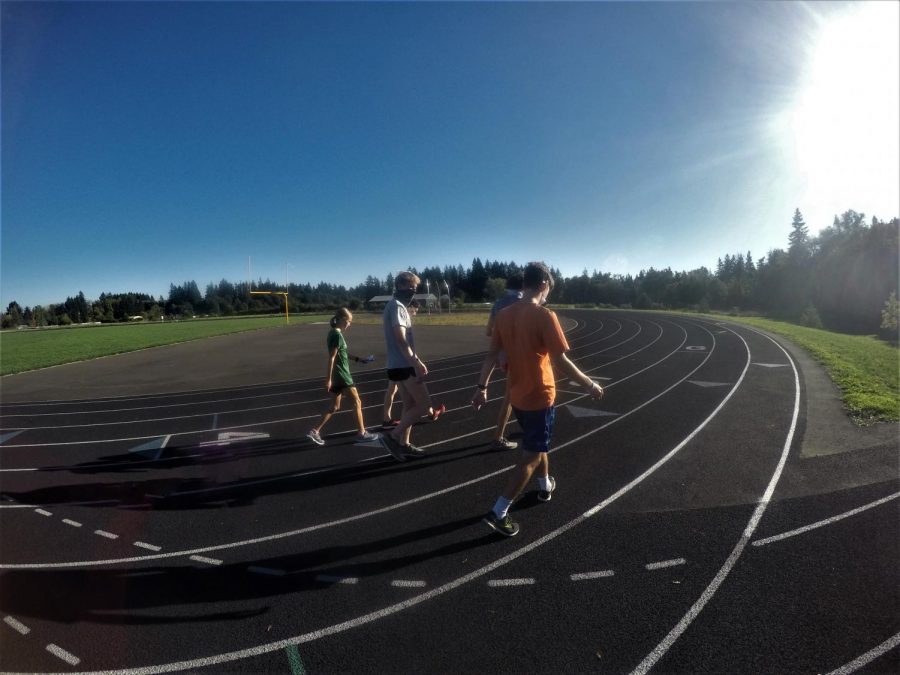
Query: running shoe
504,444
396,449
413,451
366,436
547,495
437,412
387,424
505,525
313,435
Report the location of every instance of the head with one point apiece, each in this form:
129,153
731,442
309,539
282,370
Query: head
405,285
413,307
538,279
515,281
342,318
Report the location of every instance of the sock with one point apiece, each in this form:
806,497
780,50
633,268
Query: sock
544,483
501,508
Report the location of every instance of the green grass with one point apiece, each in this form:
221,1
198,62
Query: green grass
24,350
866,369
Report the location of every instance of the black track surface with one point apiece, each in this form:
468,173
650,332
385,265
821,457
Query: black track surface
339,559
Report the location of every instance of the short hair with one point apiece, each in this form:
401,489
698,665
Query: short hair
515,281
535,274
407,278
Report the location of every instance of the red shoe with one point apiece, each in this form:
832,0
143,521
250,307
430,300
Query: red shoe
437,412
389,424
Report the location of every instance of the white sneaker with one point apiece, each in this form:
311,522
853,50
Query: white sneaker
547,495
313,435
366,437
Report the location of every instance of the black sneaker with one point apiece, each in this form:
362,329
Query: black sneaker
396,449
413,451
547,495
505,525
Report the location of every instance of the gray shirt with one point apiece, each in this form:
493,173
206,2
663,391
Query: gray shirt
395,314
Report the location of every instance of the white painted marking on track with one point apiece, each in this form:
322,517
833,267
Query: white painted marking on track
701,383
42,512
16,506
589,412
204,559
328,579
772,365
660,650
827,521
665,563
73,523
149,547
61,653
868,657
499,583
585,576
108,535
266,570
10,435
16,625
408,583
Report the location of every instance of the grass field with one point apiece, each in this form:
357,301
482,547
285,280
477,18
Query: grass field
30,349
866,369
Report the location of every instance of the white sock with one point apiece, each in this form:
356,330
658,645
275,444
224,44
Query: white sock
501,508
544,483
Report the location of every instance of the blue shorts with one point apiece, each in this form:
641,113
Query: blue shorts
537,428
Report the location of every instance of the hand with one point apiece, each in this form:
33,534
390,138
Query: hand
596,391
479,399
369,358
328,384
421,370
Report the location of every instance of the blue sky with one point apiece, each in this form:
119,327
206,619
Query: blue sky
151,143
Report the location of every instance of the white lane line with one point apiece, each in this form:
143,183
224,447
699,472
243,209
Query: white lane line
266,570
665,563
585,576
208,561
364,619
71,659
16,625
421,498
73,523
16,506
108,535
149,547
408,583
868,657
660,650
42,512
328,579
827,521
495,583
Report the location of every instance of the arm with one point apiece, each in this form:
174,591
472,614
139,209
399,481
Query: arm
561,363
406,350
332,357
484,377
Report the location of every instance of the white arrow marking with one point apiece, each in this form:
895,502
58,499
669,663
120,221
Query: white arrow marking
771,365
701,383
695,348
153,448
589,412
228,437
10,435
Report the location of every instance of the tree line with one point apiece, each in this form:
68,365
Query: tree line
845,278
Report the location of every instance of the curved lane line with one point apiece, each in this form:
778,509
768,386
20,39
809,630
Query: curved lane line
456,583
660,650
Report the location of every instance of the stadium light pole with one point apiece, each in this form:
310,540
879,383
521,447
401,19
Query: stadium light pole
449,302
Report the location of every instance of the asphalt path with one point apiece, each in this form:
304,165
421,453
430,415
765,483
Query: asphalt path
163,511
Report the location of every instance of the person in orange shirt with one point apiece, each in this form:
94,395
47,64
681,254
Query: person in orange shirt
535,346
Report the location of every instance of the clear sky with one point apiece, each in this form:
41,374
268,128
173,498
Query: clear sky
150,143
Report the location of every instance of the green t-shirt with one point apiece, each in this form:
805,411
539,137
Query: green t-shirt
341,372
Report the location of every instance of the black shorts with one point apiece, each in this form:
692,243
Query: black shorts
400,374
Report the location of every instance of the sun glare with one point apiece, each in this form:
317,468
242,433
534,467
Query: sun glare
843,125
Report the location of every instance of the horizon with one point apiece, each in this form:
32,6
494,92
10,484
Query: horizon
149,144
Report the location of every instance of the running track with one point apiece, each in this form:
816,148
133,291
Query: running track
200,531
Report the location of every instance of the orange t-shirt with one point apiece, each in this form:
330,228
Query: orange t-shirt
530,335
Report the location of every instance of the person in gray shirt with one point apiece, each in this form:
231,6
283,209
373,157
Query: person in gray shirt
404,367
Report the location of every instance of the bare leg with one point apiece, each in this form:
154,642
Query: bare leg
335,406
505,412
524,469
357,404
389,394
416,402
